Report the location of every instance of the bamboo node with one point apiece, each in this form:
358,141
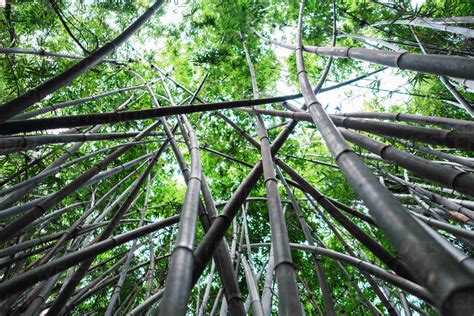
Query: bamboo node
397,60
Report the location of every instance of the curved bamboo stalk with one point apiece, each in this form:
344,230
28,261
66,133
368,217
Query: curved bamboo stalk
371,281
365,266
15,106
389,214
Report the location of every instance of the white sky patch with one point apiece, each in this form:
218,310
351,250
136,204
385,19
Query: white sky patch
417,3
173,13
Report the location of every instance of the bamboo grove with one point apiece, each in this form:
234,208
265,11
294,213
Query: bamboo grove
151,163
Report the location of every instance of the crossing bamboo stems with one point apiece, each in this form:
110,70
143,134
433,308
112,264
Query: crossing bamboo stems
44,174
15,106
68,289
393,262
353,282
18,194
123,274
365,266
38,210
6,213
373,284
399,227
43,272
205,250
451,138
450,66
222,258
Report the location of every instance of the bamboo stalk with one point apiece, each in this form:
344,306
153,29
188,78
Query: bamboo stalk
325,291
38,140
413,118
450,66
12,127
253,288
289,304
57,106
447,176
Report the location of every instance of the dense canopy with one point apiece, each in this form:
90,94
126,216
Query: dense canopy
237,157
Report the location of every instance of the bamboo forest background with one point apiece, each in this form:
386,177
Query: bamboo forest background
122,172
